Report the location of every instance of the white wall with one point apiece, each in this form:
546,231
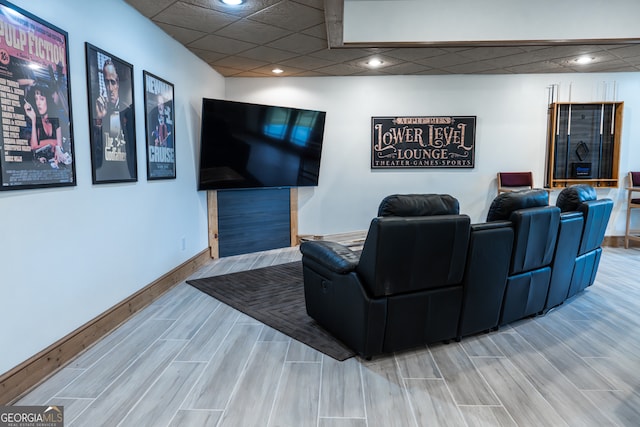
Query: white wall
511,130
496,21
69,254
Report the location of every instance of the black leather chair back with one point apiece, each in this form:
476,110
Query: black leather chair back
535,233
488,261
583,198
564,258
535,227
596,217
503,205
418,205
571,197
404,254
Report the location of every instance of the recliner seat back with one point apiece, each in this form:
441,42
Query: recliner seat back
535,233
596,213
417,242
596,217
409,254
583,198
410,205
488,261
564,258
535,226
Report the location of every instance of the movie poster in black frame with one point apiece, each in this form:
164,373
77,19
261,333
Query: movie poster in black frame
36,136
112,123
159,126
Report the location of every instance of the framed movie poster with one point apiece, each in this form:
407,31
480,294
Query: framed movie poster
111,117
36,139
158,107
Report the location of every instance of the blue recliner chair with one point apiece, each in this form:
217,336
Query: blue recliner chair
582,198
404,290
535,228
485,277
564,258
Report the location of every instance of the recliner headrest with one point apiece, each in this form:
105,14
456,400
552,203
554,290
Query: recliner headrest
570,198
505,203
418,205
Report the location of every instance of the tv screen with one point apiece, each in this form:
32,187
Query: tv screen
247,145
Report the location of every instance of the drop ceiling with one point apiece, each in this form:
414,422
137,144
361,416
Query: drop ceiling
304,38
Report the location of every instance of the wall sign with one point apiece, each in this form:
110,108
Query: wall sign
423,142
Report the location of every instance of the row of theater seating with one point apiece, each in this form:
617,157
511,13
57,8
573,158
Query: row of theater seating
426,274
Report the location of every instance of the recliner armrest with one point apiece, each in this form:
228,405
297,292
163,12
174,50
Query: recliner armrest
332,255
490,225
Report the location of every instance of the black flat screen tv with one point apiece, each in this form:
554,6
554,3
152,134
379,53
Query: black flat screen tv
247,145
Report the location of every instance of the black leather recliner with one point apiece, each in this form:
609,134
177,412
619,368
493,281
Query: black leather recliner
535,227
564,258
405,289
582,198
485,277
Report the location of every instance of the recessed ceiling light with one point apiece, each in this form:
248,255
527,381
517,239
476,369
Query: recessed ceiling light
584,59
277,71
375,62
232,2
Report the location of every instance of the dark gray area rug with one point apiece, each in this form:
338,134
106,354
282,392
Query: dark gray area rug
275,296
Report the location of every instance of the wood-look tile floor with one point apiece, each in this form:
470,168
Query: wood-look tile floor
189,360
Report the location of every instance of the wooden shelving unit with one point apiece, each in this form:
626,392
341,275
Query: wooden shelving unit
584,144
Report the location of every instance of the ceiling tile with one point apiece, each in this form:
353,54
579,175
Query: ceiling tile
183,35
405,68
194,17
298,43
239,63
288,71
625,51
482,53
307,62
251,31
228,72
268,54
290,16
221,44
444,61
538,68
554,52
340,70
634,62
387,61
150,8
599,57
318,4
596,67
208,56
412,54
243,10
341,55
319,31
471,67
